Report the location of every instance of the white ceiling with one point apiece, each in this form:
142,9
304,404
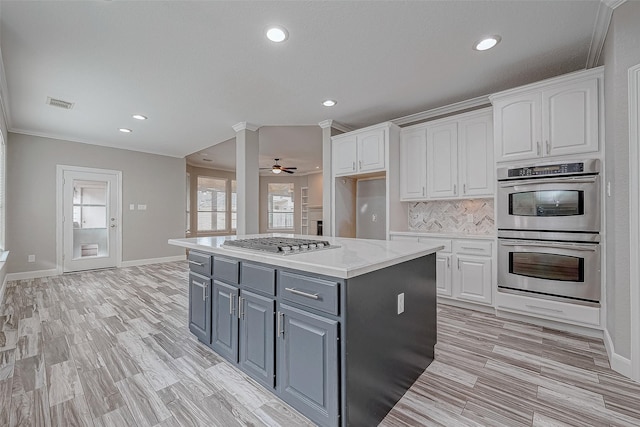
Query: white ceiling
197,68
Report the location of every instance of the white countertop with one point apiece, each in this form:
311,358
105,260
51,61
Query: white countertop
451,235
353,257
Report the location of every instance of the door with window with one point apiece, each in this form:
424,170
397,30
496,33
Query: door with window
90,219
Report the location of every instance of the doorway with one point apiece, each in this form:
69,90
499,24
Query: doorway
89,218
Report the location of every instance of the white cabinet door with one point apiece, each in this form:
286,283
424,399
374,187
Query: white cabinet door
413,165
518,127
472,278
475,145
570,118
344,155
371,151
443,274
442,161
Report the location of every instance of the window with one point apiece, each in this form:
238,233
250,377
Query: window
212,204
89,204
280,209
234,204
188,219
3,164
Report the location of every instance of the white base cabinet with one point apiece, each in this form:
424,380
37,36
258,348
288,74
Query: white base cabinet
465,268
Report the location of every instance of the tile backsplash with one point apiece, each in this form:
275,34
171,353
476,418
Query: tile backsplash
452,216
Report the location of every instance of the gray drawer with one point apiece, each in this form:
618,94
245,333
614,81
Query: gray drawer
200,263
258,277
226,269
308,291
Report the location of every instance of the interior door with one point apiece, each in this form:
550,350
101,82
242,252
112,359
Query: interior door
90,220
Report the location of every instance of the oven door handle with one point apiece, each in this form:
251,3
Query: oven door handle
551,245
576,180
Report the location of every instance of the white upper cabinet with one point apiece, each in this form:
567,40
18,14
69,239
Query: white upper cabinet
344,155
475,152
553,118
442,160
360,151
413,164
448,158
570,113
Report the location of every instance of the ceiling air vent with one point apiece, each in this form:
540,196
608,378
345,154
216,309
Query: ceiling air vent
59,103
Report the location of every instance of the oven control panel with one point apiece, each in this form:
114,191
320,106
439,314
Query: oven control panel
558,169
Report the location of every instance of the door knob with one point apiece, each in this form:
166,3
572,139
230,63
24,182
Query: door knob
113,225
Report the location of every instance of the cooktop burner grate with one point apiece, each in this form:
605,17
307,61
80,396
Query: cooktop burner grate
279,245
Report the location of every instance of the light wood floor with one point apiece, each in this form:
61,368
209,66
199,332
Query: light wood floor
112,348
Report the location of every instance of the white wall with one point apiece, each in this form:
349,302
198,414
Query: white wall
157,181
621,51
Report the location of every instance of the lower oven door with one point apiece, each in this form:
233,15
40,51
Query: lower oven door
559,269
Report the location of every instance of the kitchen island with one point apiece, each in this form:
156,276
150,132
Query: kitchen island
340,333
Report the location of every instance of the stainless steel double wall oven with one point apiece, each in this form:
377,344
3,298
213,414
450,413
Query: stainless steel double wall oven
549,223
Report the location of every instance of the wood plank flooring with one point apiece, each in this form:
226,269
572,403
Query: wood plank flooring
112,348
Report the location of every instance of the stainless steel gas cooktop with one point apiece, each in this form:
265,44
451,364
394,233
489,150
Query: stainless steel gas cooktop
279,245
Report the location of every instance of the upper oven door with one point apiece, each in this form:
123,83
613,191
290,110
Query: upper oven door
550,204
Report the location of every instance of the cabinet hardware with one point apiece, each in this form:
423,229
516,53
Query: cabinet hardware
464,188
231,311
353,166
455,188
583,248
448,261
302,294
423,191
199,264
471,249
535,307
360,164
458,263
570,180
240,307
280,325
538,148
548,147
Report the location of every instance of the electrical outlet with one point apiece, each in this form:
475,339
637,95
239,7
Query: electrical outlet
469,217
142,207
132,207
401,303
31,258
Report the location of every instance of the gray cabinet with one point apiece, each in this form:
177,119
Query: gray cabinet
224,325
257,353
308,363
200,306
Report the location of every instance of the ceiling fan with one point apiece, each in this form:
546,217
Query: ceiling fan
276,168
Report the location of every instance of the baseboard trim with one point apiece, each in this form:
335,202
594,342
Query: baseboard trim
26,275
551,324
464,304
137,262
620,364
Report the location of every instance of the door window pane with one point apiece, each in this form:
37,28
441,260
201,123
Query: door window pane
280,206
212,201
90,219
547,266
547,203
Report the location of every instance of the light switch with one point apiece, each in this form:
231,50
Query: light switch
142,207
132,207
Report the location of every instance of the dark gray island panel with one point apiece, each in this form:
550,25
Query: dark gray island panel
224,328
257,349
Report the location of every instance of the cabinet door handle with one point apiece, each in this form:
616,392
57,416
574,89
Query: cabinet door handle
423,191
458,263
360,164
280,325
199,264
448,261
302,294
464,188
548,147
455,188
240,307
538,149
353,166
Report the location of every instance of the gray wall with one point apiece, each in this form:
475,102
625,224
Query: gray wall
157,181
621,51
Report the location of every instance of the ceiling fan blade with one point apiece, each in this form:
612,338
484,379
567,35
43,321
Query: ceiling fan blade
287,171
288,168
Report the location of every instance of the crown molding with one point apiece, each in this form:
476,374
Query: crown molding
480,101
245,126
333,124
600,29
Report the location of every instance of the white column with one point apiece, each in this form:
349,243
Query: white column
247,179
329,129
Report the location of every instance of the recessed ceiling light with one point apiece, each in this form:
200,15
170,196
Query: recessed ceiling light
125,130
139,117
329,103
487,43
277,34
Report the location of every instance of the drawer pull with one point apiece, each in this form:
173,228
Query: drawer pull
199,264
535,307
302,294
471,249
